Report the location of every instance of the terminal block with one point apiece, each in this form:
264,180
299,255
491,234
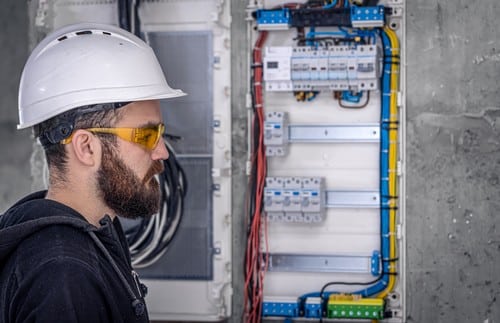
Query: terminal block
278,19
275,133
280,306
284,18
355,307
312,307
367,16
316,68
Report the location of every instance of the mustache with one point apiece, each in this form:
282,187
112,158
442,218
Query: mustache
156,168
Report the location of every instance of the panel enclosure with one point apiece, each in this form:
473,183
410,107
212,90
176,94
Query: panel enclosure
333,72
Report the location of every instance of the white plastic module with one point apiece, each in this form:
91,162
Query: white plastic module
277,71
275,133
273,196
294,199
292,202
309,68
313,199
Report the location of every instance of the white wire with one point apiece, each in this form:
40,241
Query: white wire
155,241
168,235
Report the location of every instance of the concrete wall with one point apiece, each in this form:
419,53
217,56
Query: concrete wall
16,147
453,165
453,152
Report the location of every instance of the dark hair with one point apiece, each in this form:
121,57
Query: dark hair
79,118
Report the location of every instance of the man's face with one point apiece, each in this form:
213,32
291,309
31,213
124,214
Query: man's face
123,191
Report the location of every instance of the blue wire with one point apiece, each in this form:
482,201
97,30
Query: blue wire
330,5
351,97
310,35
384,181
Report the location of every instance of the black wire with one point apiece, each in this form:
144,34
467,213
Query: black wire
174,179
137,20
124,14
256,146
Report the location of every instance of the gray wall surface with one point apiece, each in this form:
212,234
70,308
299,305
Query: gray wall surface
453,166
15,178
453,152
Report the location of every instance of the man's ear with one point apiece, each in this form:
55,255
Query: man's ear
86,147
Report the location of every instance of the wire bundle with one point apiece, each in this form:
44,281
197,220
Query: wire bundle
150,239
255,260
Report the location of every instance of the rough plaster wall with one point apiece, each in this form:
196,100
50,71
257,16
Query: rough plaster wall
239,78
15,179
453,169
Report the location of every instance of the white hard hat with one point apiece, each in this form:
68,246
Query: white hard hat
85,64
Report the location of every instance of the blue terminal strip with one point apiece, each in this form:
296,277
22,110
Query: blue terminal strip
375,263
355,16
367,16
282,309
273,19
312,307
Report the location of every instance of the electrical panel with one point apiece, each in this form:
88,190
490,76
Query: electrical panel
325,233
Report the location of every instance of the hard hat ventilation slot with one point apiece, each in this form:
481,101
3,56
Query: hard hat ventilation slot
62,38
84,32
106,33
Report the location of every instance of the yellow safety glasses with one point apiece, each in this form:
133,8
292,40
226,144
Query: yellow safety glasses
147,137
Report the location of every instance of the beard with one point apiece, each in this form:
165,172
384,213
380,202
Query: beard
123,191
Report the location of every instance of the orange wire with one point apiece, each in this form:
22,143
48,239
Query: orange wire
254,273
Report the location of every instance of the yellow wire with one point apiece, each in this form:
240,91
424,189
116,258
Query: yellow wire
393,145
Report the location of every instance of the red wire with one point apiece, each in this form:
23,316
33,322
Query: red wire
256,263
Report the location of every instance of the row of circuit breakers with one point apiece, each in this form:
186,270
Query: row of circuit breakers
294,199
334,68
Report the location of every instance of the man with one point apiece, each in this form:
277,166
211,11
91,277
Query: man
91,94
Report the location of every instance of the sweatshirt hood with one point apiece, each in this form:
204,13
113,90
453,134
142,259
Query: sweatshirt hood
31,214
34,213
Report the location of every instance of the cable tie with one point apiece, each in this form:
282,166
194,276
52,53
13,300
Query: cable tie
391,274
395,208
392,63
390,128
390,259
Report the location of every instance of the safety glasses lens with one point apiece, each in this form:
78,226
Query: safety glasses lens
149,137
